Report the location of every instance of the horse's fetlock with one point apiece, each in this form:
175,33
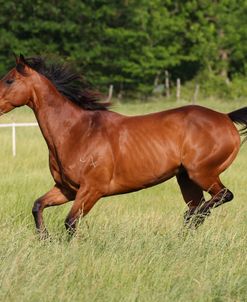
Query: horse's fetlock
229,195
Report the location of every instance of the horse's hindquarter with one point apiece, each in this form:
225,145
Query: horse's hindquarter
146,150
211,141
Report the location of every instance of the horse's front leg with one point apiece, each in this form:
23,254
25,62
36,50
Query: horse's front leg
84,201
56,196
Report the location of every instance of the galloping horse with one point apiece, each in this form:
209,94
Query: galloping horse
94,152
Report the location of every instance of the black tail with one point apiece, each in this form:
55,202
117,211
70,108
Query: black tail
240,117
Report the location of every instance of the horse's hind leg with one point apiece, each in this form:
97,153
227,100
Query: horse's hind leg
193,196
219,193
192,193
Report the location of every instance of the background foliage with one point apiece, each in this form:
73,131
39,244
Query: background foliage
130,43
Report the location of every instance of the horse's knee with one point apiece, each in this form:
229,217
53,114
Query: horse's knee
36,207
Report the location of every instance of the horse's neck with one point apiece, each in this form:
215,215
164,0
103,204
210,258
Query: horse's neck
56,116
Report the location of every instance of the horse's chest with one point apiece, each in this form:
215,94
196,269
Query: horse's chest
64,172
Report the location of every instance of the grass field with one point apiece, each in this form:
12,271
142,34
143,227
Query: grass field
130,247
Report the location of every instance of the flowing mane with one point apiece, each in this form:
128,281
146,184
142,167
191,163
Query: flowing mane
68,82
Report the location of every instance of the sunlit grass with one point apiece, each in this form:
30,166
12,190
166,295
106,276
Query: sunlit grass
129,248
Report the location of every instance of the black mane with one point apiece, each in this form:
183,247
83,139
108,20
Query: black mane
68,82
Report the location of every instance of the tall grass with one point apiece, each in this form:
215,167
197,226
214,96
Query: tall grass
129,248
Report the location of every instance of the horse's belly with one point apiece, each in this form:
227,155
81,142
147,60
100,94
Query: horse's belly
140,171
119,186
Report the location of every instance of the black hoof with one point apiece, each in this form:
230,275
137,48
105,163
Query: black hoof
194,218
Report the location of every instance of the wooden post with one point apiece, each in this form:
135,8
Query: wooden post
194,100
110,93
13,140
167,84
178,90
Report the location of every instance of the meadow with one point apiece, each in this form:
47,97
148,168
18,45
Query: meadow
130,247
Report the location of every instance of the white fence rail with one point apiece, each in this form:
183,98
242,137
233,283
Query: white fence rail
13,126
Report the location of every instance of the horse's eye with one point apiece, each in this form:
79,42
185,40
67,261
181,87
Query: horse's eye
9,81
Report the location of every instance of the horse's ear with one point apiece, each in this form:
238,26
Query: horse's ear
21,64
22,60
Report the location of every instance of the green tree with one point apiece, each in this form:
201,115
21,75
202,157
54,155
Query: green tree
214,33
130,43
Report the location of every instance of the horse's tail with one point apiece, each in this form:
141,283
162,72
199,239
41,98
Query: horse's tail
240,117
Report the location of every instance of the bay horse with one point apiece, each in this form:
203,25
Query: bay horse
94,152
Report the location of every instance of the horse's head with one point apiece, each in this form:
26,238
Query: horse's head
15,87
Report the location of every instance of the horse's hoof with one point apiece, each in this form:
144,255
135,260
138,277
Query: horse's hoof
193,218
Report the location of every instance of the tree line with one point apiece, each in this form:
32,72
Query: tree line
131,43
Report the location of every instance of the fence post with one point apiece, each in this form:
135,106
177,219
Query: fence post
13,126
110,93
178,89
13,140
194,100
167,85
